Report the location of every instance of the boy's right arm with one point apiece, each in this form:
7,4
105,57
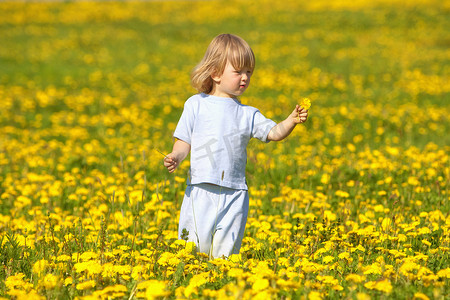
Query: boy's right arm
180,151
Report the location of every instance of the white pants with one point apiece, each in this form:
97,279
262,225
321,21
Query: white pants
215,218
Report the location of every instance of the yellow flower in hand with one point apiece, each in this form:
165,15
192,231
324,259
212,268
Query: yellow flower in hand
305,103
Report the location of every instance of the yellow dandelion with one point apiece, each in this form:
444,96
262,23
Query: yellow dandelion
63,258
374,268
235,272
420,296
156,289
327,259
315,296
40,266
355,278
325,179
423,230
305,103
386,223
68,281
337,287
413,181
114,291
382,285
17,281
50,281
362,296
86,285
444,273
426,242
199,279
260,284
180,179
342,194
326,279
235,258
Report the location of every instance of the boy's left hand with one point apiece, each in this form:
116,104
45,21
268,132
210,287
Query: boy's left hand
299,115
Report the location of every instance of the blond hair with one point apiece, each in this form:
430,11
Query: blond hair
223,48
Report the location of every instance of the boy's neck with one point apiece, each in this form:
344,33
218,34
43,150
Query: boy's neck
224,97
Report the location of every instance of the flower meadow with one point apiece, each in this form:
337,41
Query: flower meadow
353,205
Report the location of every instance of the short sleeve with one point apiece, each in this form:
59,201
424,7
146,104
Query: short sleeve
185,125
261,126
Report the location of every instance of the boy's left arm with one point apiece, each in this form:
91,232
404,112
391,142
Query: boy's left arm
284,128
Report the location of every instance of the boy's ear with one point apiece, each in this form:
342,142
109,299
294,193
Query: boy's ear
215,77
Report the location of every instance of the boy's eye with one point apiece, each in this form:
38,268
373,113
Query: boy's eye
243,71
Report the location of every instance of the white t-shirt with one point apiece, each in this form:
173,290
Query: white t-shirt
218,130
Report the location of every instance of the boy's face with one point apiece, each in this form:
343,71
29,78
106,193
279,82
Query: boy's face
232,83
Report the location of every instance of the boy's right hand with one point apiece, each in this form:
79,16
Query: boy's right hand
180,151
170,162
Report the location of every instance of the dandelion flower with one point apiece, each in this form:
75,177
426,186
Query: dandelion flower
86,285
362,296
382,286
305,103
314,295
260,284
156,289
444,273
235,258
50,281
328,259
421,296
68,281
40,266
355,278
426,242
